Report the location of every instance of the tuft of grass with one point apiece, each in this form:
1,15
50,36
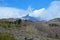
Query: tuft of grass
31,30
6,37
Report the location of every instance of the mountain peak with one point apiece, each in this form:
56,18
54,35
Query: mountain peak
27,17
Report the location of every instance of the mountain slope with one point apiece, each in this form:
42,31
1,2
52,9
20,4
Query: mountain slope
27,17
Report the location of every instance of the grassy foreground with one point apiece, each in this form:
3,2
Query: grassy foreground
6,37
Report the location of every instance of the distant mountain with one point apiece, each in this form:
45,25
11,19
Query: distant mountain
27,17
54,21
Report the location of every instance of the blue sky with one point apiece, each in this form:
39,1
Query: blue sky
40,9
24,4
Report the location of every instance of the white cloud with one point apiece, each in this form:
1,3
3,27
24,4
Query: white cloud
8,12
53,11
36,13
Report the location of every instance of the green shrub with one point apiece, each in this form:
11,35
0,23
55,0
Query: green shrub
19,21
53,25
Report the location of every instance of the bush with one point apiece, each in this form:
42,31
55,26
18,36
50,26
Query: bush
18,21
53,25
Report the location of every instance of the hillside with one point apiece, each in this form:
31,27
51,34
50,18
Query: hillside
28,30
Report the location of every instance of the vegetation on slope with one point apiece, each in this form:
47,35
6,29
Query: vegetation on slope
39,30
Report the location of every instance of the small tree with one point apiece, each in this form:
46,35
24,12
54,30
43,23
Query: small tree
53,25
19,21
